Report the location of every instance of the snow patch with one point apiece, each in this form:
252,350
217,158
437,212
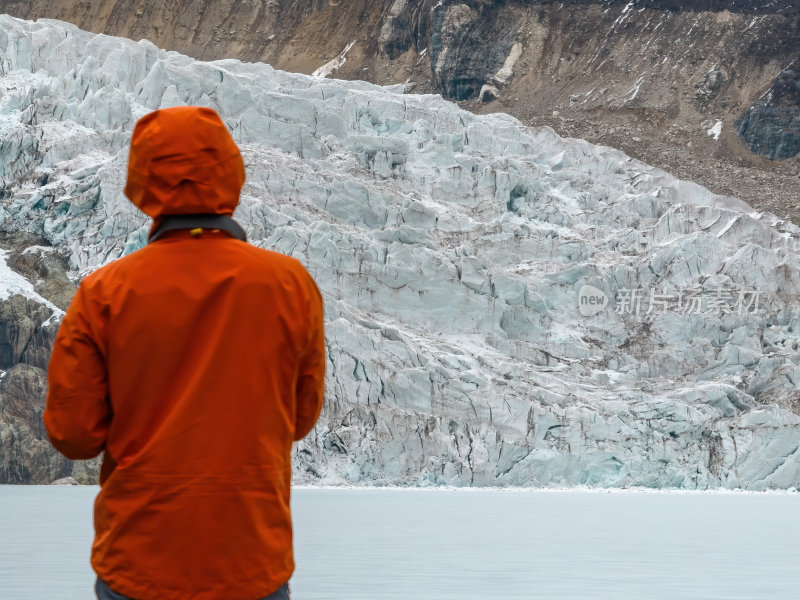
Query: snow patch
38,250
716,130
634,91
507,70
333,64
621,18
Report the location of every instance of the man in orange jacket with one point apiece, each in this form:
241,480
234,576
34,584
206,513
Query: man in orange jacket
193,363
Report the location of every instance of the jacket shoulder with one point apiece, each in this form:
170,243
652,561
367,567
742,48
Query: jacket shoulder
116,267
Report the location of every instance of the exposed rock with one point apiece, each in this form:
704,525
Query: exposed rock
87,472
491,91
713,81
771,127
462,57
26,455
43,266
20,318
488,93
27,331
65,481
404,26
506,72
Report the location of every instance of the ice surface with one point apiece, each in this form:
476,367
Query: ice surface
450,249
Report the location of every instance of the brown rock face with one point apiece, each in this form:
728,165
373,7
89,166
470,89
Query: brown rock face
19,320
27,456
46,270
27,332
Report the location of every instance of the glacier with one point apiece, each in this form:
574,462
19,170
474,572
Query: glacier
451,250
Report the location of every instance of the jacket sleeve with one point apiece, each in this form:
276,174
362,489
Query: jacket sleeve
310,391
77,412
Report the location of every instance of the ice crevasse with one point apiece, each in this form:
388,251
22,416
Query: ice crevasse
457,255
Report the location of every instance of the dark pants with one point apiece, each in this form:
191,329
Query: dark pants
105,593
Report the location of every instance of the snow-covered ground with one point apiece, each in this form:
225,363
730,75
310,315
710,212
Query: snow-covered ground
454,252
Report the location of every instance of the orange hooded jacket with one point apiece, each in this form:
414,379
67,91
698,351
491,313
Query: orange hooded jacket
194,363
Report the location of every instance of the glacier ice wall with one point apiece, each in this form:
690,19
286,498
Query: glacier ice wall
451,250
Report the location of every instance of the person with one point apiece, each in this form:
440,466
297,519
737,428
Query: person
193,363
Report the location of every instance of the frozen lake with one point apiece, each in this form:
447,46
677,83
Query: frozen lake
464,544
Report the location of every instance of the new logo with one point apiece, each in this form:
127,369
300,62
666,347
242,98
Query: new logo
591,300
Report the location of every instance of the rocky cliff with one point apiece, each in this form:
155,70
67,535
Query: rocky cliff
34,291
698,88
503,306
772,126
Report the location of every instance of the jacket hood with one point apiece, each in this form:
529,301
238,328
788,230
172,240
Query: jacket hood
184,161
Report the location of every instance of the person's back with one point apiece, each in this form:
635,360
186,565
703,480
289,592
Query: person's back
194,363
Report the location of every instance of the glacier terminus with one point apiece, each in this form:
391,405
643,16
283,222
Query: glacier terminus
504,307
